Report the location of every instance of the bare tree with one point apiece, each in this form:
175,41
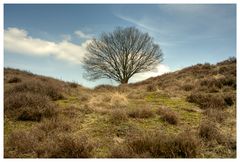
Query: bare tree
121,54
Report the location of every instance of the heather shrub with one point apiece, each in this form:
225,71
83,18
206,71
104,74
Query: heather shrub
105,87
37,87
118,100
14,80
70,146
118,115
187,87
151,88
22,142
168,115
211,82
73,84
158,145
28,106
206,101
209,131
216,115
142,112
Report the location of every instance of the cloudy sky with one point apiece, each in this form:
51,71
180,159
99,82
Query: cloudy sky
51,40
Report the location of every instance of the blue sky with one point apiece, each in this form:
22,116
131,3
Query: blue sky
51,39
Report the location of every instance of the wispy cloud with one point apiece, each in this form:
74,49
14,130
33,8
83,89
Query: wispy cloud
159,70
83,35
19,41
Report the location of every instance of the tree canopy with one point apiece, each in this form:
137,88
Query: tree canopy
121,54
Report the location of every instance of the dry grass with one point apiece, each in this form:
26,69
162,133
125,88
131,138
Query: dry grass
168,115
118,100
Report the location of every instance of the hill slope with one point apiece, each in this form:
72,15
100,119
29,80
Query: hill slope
188,113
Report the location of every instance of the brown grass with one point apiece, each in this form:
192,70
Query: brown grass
118,100
168,115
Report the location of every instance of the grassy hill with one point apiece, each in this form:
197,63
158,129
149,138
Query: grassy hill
187,113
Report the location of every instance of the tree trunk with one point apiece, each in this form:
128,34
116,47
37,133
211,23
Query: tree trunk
124,81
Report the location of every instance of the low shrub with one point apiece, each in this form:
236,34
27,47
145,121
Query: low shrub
229,98
187,87
168,115
151,88
206,101
105,87
72,147
211,82
38,87
22,142
142,112
209,131
28,106
216,115
158,145
73,84
118,100
14,80
118,115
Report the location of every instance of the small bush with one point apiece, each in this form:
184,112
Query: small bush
118,100
168,115
216,115
206,101
54,124
187,87
157,145
22,141
37,87
211,82
105,87
73,85
28,106
151,88
14,80
144,112
118,115
209,131
229,99
72,147
122,151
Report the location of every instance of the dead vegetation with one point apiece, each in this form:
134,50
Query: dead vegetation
189,113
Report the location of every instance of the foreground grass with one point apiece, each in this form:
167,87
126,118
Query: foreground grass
129,121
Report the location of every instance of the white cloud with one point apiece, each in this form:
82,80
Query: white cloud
18,41
159,70
66,37
83,35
